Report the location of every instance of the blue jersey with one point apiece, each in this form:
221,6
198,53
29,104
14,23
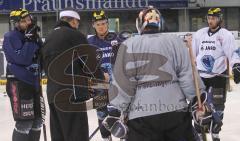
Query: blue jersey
20,56
109,49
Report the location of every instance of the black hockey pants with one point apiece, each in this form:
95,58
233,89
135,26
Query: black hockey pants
172,126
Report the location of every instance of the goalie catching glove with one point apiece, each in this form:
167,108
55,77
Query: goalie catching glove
114,123
206,115
236,73
201,116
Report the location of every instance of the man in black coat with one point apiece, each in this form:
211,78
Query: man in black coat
65,124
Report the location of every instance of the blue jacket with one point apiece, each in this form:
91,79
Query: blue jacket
20,57
109,49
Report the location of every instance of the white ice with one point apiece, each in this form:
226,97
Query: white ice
230,130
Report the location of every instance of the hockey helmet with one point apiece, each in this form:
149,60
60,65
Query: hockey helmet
215,12
99,15
17,15
148,17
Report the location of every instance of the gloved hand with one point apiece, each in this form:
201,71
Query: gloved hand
114,124
201,116
236,73
31,34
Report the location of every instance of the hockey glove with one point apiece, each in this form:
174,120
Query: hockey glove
31,34
201,116
236,73
114,124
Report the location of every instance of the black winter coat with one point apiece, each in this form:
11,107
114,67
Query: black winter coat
62,38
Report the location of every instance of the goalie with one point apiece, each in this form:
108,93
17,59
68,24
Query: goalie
152,81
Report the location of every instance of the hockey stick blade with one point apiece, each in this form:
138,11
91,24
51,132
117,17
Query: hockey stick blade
94,133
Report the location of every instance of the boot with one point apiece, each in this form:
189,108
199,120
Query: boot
17,136
34,135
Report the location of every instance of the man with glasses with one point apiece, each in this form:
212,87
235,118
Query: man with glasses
21,46
212,45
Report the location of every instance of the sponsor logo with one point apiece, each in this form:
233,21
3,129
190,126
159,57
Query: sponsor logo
209,42
53,5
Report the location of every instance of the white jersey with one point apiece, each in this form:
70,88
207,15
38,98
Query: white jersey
212,51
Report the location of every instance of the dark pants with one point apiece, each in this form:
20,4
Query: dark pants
172,126
219,91
25,102
68,126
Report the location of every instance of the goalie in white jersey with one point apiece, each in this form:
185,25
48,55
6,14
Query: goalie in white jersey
212,46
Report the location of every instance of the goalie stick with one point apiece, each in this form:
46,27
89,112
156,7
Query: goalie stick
196,84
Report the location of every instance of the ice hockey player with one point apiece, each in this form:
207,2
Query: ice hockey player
21,46
152,80
108,43
212,45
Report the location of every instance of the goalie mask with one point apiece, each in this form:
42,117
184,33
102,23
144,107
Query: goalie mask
150,17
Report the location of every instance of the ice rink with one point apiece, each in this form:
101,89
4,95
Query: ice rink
230,131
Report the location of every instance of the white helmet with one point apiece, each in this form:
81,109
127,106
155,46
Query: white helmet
148,17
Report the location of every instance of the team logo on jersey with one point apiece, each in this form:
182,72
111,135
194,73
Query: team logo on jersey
208,62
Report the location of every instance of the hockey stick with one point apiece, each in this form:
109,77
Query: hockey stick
212,73
195,78
94,133
43,113
229,89
42,102
196,84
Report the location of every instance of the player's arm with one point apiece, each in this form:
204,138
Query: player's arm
233,55
184,71
19,53
122,89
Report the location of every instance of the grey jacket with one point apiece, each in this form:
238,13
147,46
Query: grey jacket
152,75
